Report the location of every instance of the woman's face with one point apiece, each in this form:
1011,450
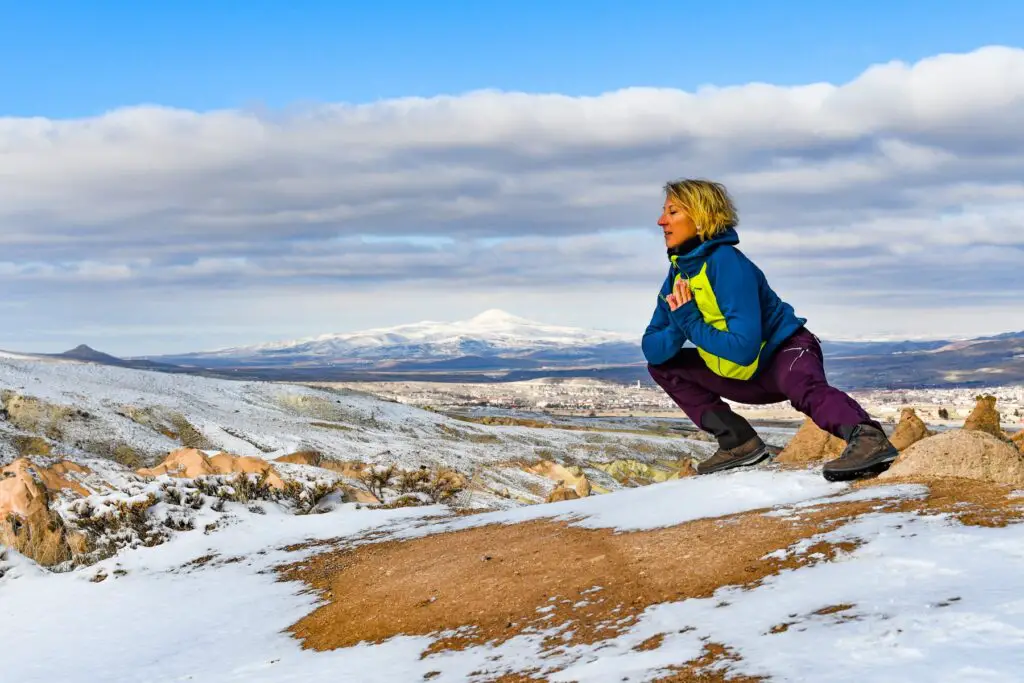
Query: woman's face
676,223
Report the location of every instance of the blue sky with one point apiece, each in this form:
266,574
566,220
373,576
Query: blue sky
179,176
72,58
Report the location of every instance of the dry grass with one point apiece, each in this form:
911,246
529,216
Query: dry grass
331,425
190,436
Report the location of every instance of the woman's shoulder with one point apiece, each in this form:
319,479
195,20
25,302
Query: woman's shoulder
729,256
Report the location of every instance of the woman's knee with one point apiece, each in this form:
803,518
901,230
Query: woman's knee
662,373
803,390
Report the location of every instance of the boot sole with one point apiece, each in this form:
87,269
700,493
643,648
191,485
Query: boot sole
752,459
876,465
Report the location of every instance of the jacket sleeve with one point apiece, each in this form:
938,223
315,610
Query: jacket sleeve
734,283
663,337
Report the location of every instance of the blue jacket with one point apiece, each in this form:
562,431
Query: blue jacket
735,319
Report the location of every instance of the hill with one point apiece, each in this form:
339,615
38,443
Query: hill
84,353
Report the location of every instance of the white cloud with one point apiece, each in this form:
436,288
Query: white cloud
904,178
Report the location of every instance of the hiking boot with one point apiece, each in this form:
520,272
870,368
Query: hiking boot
750,452
738,443
868,451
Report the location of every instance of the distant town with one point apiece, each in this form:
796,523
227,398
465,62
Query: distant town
584,397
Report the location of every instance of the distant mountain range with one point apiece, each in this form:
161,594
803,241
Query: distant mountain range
494,335
496,346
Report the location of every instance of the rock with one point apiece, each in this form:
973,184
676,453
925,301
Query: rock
353,494
962,453
985,417
313,458
571,477
636,472
190,463
910,430
61,476
352,469
26,522
561,493
1018,439
811,444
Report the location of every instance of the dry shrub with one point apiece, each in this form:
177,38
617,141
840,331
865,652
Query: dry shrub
127,456
41,537
305,499
439,485
31,445
376,479
414,487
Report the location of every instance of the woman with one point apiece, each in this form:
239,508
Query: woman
750,345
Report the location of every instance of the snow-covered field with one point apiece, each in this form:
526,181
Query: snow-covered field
931,600
269,420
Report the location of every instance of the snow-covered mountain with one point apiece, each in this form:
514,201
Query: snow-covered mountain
493,333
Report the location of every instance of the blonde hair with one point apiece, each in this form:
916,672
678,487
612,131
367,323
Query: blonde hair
708,204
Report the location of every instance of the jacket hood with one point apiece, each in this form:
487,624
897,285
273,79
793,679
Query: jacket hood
691,260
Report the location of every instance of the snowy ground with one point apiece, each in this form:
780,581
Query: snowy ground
932,601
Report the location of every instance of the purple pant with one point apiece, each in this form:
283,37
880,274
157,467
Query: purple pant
795,373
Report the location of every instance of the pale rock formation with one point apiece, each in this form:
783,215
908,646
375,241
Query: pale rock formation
961,453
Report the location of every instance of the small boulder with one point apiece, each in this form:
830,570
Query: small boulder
561,493
910,430
570,477
811,444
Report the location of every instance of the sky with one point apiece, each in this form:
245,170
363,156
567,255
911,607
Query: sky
179,176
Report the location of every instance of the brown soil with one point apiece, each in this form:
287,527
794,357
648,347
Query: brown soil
495,578
969,501
700,670
491,581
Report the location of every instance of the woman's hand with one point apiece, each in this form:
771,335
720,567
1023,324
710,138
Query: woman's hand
680,295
